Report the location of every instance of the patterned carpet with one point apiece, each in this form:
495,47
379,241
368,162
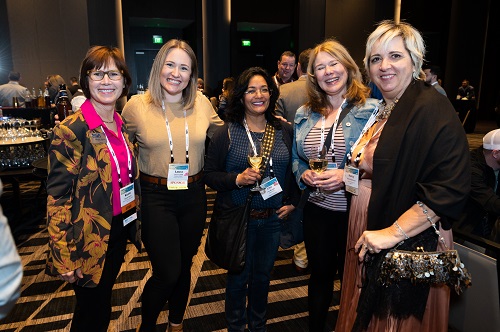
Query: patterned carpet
46,303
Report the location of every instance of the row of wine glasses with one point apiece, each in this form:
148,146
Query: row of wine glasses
13,129
15,156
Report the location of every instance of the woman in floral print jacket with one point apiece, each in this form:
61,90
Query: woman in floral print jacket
92,186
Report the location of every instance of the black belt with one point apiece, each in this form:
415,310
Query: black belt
261,214
163,181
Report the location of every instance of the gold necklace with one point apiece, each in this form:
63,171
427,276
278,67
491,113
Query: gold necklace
112,121
385,111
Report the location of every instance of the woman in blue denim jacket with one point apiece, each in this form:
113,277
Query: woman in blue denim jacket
337,102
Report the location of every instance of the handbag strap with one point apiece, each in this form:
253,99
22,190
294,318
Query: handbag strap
433,224
267,146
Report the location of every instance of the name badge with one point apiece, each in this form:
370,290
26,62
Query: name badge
351,179
332,165
97,138
270,188
178,175
127,203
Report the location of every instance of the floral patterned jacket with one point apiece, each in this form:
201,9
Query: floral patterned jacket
79,203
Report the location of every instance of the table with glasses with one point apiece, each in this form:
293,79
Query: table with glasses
21,144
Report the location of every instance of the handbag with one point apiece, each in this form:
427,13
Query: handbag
227,233
227,236
426,267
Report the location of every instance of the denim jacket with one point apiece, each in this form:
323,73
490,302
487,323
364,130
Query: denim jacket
305,120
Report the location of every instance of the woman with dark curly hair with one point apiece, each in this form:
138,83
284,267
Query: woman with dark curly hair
249,118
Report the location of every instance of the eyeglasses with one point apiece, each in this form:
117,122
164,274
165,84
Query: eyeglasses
98,75
263,91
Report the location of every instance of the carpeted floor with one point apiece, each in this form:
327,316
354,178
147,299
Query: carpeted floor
46,303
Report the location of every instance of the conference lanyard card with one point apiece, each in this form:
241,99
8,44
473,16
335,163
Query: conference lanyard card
98,138
127,203
332,165
178,176
270,188
351,179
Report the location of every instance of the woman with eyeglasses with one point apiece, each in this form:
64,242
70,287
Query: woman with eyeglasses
332,119
92,187
170,124
250,121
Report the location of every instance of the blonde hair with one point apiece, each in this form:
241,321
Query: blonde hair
386,31
356,91
155,90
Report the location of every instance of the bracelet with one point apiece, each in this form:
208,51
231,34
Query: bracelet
433,224
400,230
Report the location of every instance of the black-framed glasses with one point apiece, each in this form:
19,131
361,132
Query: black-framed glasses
98,75
263,91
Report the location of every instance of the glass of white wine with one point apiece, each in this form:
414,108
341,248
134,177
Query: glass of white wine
318,164
255,161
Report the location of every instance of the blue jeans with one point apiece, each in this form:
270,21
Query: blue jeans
262,247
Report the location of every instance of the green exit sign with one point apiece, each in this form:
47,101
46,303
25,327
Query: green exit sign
157,39
246,42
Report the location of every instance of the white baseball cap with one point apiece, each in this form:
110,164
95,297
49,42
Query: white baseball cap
491,141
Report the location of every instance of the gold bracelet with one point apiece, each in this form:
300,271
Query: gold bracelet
400,230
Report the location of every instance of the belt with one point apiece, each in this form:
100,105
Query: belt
163,181
261,214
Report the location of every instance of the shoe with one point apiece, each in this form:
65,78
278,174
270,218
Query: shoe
177,328
301,270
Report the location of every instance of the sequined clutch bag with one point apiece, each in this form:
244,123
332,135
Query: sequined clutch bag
435,268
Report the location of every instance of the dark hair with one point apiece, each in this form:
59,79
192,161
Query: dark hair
304,59
99,56
73,79
14,76
288,54
435,70
235,111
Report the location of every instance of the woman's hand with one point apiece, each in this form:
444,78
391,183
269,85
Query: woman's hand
284,211
309,178
330,180
374,241
248,177
72,276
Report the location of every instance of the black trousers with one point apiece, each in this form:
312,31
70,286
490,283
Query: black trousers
325,237
93,305
172,227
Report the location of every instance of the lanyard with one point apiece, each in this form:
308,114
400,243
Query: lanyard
250,136
170,141
334,128
115,159
371,121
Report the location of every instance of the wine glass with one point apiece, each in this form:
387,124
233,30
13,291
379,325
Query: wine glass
318,164
255,161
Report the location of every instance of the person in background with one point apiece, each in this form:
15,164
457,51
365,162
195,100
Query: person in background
337,102
92,188
412,171
483,206
53,83
432,74
170,123
11,90
73,86
286,68
11,269
227,89
249,117
292,96
466,91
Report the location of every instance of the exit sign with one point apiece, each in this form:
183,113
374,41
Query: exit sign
246,42
157,39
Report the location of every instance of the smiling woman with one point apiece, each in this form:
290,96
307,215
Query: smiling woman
91,162
174,202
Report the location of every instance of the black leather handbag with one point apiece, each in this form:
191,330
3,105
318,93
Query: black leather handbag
227,236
